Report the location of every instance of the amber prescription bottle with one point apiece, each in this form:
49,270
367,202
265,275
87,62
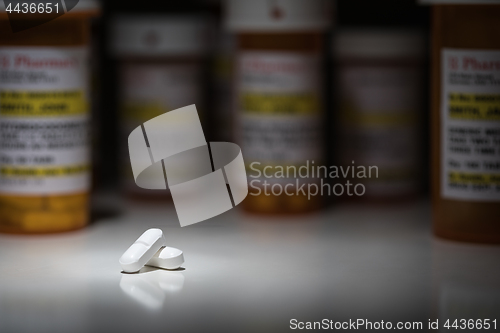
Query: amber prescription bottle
466,120
379,77
279,101
44,123
161,68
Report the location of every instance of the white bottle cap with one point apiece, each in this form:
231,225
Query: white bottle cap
278,15
153,35
372,43
167,258
144,248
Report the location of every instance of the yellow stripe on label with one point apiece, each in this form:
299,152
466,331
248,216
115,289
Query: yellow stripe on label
474,106
143,111
473,178
223,67
280,103
353,116
35,172
42,103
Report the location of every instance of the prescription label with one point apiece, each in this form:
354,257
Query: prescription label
280,105
380,124
470,125
44,120
149,90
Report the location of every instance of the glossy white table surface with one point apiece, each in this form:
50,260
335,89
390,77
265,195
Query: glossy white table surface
245,273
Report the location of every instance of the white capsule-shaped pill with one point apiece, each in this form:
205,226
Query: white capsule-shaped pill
144,248
167,258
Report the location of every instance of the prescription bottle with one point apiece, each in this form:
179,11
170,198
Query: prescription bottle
161,68
44,123
379,77
279,100
466,120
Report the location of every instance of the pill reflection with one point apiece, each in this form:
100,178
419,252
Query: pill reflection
150,286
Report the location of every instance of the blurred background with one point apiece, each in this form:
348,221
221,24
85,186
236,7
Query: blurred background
327,84
399,23
345,83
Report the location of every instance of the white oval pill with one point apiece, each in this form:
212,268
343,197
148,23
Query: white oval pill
144,248
167,258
